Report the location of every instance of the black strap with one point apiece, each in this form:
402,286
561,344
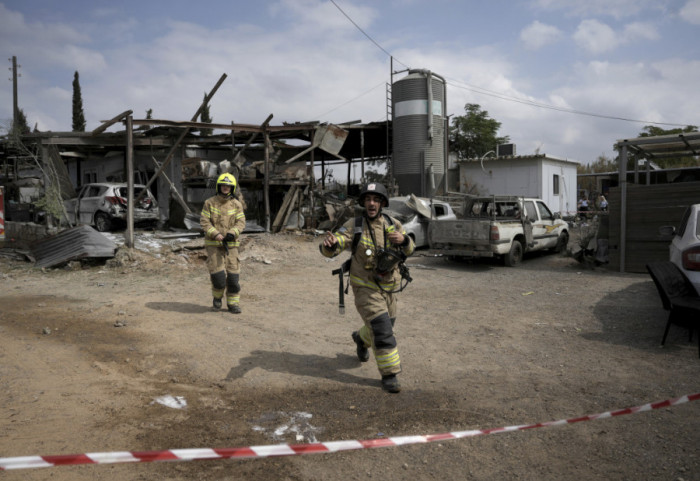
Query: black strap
357,233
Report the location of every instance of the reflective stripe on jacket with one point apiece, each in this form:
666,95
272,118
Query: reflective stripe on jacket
222,215
362,267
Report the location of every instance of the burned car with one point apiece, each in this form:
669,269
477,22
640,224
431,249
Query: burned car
104,206
414,213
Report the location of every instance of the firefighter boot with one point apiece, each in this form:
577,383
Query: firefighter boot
362,351
217,303
390,383
234,309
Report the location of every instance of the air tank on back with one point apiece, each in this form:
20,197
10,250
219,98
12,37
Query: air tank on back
418,118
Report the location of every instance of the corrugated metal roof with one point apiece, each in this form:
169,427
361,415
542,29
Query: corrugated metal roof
72,244
660,146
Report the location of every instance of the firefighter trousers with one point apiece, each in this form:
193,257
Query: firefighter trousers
378,312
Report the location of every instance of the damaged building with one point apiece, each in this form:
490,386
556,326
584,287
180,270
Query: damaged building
179,164
284,171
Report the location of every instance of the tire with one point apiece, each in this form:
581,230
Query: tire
515,256
562,242
102,222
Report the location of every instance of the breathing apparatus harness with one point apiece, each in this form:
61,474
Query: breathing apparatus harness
387,259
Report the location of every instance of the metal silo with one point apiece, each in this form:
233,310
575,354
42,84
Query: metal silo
418,118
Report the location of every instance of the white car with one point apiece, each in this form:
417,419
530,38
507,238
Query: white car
103,205
685,246
414,213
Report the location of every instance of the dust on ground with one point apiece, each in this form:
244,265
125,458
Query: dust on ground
89,355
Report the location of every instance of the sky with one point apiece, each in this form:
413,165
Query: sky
563,77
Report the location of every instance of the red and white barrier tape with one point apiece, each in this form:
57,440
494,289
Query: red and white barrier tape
25,462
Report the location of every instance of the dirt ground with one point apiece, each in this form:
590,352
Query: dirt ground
88,353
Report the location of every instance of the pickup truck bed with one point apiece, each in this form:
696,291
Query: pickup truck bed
504,226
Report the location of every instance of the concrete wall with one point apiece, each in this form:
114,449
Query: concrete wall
20,235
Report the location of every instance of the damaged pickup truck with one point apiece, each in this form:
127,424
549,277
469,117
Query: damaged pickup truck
103,205
500,226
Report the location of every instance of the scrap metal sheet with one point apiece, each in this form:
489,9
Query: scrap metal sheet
72,244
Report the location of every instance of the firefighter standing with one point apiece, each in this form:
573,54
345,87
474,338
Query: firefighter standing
372,289
223,220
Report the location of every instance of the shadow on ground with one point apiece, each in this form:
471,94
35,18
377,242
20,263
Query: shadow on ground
634,317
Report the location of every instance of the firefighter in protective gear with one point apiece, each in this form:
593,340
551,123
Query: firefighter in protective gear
374,299
222,221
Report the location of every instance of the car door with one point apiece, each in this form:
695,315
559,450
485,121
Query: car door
89,203
545,229
72,205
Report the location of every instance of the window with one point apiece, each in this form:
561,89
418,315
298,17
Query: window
530,212
555,184
544,212
94,191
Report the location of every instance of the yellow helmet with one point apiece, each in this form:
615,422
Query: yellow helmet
226,179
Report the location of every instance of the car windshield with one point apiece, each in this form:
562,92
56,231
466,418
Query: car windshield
399,206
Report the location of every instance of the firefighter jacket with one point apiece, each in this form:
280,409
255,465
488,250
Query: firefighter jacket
364,259
222,215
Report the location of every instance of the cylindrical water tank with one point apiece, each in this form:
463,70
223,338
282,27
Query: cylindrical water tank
418,118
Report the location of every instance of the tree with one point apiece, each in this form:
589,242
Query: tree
474,134
21,125
601,165
670,162
78,114
205,117
375,176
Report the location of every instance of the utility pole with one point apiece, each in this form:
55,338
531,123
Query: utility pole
15,111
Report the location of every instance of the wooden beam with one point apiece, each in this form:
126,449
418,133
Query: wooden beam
107,124
182,136
277,224
173,189
266,187
250,140
295,200
129,238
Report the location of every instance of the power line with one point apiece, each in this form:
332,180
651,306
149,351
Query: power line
490,93
351,100
532,103
365,34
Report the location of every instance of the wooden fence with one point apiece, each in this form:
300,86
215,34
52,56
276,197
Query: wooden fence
648,208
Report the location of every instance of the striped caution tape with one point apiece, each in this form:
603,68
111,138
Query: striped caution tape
25,462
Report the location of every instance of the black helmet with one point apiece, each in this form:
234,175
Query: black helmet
374,188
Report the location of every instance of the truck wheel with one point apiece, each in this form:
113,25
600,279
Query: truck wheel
562,242
515,256
102,222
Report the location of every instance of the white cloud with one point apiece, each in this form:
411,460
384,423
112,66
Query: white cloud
639,30
595,37
613,8
302,59
691,12
537,35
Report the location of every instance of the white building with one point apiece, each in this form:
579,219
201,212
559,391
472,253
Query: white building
548,178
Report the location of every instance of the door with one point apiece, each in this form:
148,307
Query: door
529,218
545,230
72,205
89,202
